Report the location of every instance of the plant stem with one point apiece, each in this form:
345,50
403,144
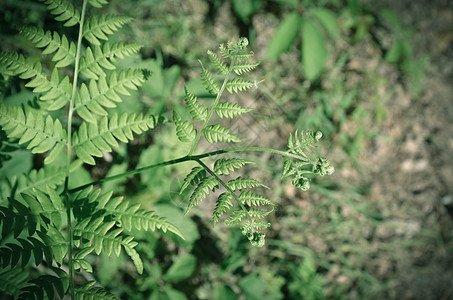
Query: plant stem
219,180
68,156
217,99
184,159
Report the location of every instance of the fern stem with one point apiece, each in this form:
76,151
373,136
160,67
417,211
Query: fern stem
219,180
69,150
195,158
211,111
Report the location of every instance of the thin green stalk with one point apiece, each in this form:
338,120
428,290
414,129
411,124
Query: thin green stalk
184,159
219,180
69,150
211,111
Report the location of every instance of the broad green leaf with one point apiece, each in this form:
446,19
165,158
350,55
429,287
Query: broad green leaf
314,51
328,19
284,36
182,268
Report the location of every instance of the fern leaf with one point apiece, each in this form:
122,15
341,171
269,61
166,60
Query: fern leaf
53,89
223,205
41,135
55,241
98,27
300,144
198,112
194,177
90,139
91,101
217,133
184,130
88,292
207,185
64,11
244,67
236,217
97,59
238,85
65,51
241,183
98,3
230,110
218,63
224,166
252,199
21,252
208,80
13,280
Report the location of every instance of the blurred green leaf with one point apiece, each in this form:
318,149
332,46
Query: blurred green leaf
328,19
255,288
245,8
222,292
314,51
284,36
182,268
400,51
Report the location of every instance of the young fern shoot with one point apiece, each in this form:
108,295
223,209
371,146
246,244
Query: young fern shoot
246,208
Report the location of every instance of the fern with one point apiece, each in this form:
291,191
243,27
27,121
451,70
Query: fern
224,166
217,133
230,110
98,27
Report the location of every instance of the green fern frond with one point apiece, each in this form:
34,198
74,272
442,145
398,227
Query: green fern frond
64,11
300,144
236,85
65,51
20,252
91,100
26,68
44,284
224,166
207,185
236,217
13,280
99,233
193,178
241,183
16,218
55,241
87,292
244,67
217,133
252,199
184,129
198,111
208,80
30,127
217,63
230,110
93,63
91,139
98,3
98,27
223,205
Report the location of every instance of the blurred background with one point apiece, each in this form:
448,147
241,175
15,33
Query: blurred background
374,76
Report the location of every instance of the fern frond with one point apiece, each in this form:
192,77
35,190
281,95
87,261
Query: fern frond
94,61
30,127
223,205
91,100
217,133
17,64
300,144
90,139
63,11
230,110
99,233
236,85
242,183
252,199
87,292
198,111
184,130
55,241
65,51
16,217
208,80
218,63
224,166
194,177
244,67
13,280
207,185
20,252
98,27
44,284
98,3
236,217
